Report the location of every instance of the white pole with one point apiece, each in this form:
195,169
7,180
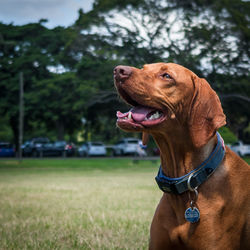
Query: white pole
20,141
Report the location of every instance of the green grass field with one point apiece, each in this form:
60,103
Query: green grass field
77,203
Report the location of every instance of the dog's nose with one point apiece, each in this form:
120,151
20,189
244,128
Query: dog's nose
121,73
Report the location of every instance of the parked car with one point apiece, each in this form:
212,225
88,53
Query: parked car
32,147
92,149
65,147
7,149
240,148
49,149
128,146
58,148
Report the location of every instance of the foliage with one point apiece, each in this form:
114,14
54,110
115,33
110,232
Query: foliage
68,71
227,135
5,131
28,48
59,101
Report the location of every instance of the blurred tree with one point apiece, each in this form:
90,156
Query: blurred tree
20,50
218,34
96,71
59,100
37,52
5,130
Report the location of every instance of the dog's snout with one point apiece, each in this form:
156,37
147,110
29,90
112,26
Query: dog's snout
121,73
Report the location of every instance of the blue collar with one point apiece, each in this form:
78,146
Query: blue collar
199,175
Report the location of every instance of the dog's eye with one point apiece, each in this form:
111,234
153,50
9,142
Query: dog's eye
166,76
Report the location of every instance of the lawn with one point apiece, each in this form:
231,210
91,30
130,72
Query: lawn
76,204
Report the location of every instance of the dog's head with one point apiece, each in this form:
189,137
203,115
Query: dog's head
165,98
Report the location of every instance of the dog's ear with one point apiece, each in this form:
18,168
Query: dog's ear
205,114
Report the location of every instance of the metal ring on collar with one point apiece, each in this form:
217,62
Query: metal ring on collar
189,185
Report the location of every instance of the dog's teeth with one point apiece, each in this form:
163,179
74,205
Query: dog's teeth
154,116
129,115
157,115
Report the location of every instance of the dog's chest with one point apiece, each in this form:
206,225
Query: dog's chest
179,235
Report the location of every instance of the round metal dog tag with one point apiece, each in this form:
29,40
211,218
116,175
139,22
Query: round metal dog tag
192,214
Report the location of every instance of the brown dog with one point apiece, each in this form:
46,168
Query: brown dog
182,113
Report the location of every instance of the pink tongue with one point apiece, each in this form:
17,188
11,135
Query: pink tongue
139,113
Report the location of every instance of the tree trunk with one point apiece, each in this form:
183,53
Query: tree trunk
60,130
14,127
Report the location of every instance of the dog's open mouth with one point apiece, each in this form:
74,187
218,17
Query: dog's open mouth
139,116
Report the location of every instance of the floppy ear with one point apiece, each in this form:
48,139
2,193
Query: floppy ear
206,114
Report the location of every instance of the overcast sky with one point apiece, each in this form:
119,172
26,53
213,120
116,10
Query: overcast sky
58,12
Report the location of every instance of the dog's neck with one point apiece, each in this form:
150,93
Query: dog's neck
179,156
